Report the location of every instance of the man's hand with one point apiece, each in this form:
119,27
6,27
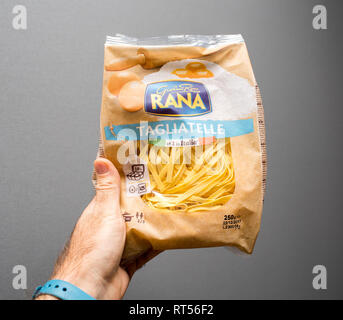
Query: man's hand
91,257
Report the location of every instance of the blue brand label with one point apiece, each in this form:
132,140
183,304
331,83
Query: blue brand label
178,129
176,98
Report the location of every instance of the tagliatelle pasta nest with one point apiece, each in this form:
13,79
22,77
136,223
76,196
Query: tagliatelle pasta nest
184,182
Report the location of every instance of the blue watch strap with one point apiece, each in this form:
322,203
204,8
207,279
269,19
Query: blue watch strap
62,290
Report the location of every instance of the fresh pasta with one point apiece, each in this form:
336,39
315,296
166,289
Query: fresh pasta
190,184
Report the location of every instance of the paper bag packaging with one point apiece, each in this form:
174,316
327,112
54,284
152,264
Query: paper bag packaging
182,121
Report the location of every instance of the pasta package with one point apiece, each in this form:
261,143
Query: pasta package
182,120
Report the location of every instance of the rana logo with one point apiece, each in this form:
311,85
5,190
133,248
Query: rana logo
176,98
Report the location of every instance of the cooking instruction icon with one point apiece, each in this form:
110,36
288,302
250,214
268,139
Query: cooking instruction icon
137,172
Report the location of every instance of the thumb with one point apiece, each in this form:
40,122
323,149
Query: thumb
107,185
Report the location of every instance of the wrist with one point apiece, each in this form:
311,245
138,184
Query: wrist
90,283
46,297
88,286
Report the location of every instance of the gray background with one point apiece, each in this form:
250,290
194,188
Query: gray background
50,94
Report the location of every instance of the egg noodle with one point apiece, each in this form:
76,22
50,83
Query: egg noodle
185,181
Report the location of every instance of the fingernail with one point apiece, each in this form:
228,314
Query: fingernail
101,167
